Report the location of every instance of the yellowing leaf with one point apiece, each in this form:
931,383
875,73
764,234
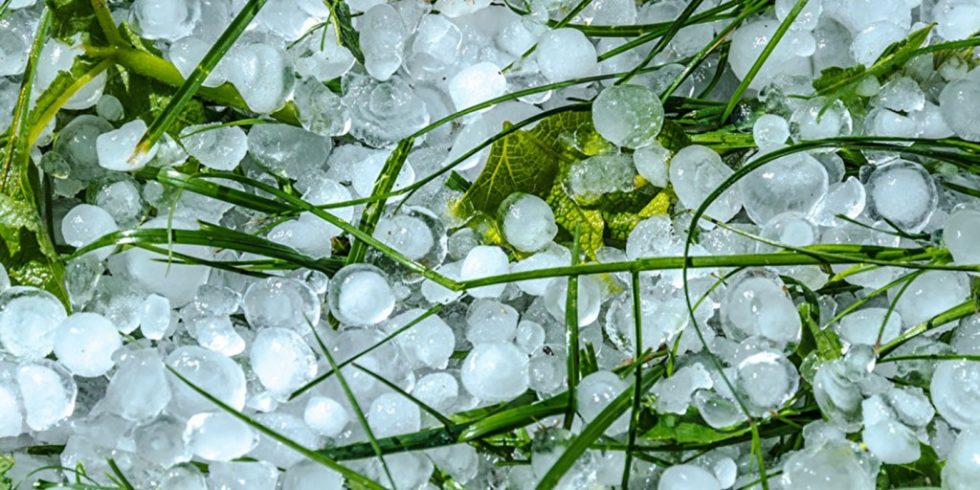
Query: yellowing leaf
569,215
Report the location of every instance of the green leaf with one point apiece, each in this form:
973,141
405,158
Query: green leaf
688,429
570,216
525,161
25,248
836,82
147,99
926,472
6,463
75,21
621,218
347,36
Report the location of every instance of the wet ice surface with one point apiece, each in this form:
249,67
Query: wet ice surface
91,375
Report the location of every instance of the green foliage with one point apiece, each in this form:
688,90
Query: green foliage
342,21
25,248
74,21
6,463
922,473
688,429
148,99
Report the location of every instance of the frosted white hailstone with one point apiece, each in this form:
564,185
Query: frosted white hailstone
595,392
220,148
484,261
261,74
490,321
154,317
807,19
209,371
540,260
955,391
166,20
962,468
325,416
242,475
382,40
428,342
864,326
791,183
930,294
138,390
392,414
309,475
360,294
495,371
695,172
833,464
756,304
459,8
628,115
846,198
286,150
29,319
281,302
904,193
688,477
563,54
48,392
85,343
116,148
889,440
589,299
175,281
11,415
959,103
219,436
86,223
408,235
475,84
674,393
282,360
770,132
437,390
651,163
766,380
747,45
529,336
962,236
528,222
820,118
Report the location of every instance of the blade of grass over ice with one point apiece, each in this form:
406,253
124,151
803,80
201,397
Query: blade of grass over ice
572,331
577,9
361,419
315,456
638,377
108,25
957,312
593,430
385,183
445,421
763,57
668,36
120,478
187,90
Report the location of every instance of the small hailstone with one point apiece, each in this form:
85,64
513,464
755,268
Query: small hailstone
85,343
154,316
428,342
819,118
484,261
366,173
282,360
309,475
770,132
326,416
219,436
954,390
834,464
261,74
651,163
563,54
86,223
962,468
757,305
409,235
956,20
187,52
529,336
695,172
138,389
959,103
360,294
540,260
490,321
792,183
904,193
528,222
169,21
438,390
392,414
962,236
382,40
29,319
208,370
589,299
674,393
114,148
220,148
688,477
871,42
628,115
459,8
595,392
280,302
930,294
11,415
495,371
109,108
242,475
766,380
863,326
286,150
846,198
475,84
48,392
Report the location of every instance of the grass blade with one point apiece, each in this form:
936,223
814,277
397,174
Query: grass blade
638,384
197,77
571,331
348,473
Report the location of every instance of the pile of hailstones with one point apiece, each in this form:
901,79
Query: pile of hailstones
94,381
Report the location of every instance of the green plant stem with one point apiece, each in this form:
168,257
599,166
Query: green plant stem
572,331
104,17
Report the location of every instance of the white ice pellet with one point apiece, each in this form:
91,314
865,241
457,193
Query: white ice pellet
495,371
116,148
528,222
628,115
563,54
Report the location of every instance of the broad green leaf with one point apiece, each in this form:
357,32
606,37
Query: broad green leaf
74,21
6,462
343,24
525,161
25,248
688,429
926,472
621,220
570,217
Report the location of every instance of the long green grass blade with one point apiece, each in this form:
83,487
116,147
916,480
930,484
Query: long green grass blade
186,91
572,331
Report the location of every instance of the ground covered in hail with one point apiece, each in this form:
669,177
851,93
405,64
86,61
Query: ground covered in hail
474,244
